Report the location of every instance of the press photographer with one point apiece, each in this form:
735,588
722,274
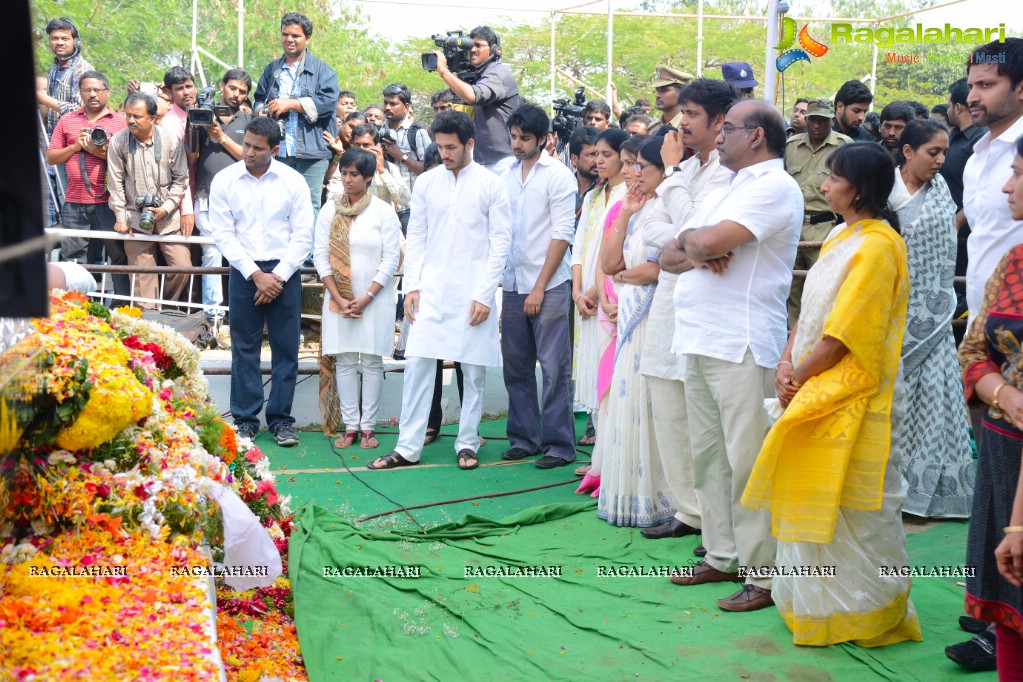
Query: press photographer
80,141
494,95
215,143
148,166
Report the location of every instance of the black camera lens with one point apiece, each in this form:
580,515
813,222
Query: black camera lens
98,137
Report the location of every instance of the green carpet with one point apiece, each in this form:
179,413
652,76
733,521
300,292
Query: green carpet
445,626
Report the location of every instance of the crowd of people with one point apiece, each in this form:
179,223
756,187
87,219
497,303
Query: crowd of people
756,313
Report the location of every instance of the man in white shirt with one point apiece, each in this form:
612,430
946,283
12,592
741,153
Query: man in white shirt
536,297
995,101
735,257
704,105
459,234
262,220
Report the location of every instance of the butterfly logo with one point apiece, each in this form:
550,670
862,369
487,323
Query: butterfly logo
788,37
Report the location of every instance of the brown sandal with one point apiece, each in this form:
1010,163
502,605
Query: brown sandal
467,459
392,460
369,440
346,440
431,435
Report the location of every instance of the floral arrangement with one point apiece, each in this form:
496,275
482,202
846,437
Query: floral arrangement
108,445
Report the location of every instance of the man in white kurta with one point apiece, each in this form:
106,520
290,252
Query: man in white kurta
459,235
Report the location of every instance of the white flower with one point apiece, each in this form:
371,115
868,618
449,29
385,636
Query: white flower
16,554
59,456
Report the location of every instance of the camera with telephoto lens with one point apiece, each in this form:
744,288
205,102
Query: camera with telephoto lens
97,136
146,204
387,134
202,114
455,46
569,114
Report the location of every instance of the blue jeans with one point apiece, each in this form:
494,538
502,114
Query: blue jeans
96,217
550,426
282,317
212,286
313,171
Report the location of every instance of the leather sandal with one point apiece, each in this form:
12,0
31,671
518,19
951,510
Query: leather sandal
369,440
346,440
391,460
431,435
467,459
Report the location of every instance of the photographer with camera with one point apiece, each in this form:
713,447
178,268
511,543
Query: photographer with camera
404,140
148,177
300,92
80,140
493,93
218,131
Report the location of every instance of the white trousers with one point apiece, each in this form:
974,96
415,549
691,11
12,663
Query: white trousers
348,367
671,429
416,396
727,426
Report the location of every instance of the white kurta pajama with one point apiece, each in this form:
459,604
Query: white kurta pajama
359,344
457,244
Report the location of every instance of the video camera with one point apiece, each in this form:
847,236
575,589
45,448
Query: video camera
205,111
455,45
568,114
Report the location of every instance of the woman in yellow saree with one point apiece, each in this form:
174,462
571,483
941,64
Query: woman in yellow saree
829,468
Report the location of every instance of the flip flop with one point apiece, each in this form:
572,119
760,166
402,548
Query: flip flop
346,440
392,460
586,441
431,435
464,455
369,440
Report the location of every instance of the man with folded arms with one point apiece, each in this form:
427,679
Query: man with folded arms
735,257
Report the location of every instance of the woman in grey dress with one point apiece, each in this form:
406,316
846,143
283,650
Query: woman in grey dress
938,461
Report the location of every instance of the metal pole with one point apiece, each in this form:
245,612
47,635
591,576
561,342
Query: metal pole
610,42
554,19
699,40
770,74
241,34
873,75
195,31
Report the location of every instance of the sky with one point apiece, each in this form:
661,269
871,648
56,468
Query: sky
402,19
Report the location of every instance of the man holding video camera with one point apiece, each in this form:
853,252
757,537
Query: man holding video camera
300,92
494,95
214,148
80,140
148,176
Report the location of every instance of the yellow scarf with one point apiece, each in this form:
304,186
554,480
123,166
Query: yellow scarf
830,446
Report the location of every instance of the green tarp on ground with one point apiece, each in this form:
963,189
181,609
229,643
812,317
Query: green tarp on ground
445,626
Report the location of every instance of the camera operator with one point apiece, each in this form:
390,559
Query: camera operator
300,92
148,176
216,147
494,95
407,144
74,142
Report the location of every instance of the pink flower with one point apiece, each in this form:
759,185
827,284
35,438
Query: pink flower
268,491
254,455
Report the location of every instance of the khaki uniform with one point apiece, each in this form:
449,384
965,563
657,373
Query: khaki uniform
660,122
809,168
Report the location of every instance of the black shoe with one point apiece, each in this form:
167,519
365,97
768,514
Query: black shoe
285,435
551,462
972,625
977,654
246,430
516,453
672,528
700,551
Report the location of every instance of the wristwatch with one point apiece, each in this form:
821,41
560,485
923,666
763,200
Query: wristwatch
404,158
671,169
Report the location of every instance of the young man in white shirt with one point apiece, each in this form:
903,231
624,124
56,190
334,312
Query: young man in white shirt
262,220
536,297
736,257
459,234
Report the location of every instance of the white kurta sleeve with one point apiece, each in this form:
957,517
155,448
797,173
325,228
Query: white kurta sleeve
415,235
390,243
321,240
499,219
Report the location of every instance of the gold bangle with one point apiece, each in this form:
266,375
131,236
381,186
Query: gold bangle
994,396
793,382
786,362
1012,529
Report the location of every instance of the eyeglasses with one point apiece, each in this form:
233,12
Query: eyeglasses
92,91
638,167
727,129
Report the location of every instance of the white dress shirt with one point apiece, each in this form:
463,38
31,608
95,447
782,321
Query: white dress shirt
992,229
678,198
720,316
459,232
543,209
260,219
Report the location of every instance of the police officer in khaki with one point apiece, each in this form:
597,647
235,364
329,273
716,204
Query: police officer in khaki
806,160
667,83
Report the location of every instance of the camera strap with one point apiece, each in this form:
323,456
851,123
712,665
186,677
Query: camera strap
85,176
133,147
